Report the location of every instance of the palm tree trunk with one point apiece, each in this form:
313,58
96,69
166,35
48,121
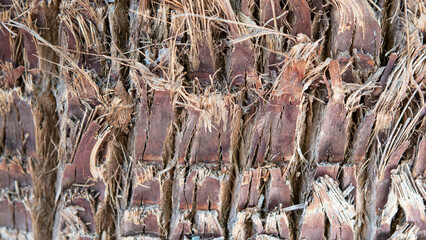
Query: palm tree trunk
260,119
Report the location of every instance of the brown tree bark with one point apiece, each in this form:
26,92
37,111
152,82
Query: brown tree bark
218,119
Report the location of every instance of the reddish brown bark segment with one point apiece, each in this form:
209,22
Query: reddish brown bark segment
351,30
152,126
185,137
349,178
204,188
145,221
226,134
151,132
208,194
273,128
182,229
279,191
245,220
15,215
332,139
384,180
72,41
313,226
204,145
206,67
302,17
187,191
329,169
365,63
85,212
140,129
22,217
415,216
30,49
343,32
2,130
27,123
13,132
5,49
11,76
269,11
94,62
420,163
74,107
382,192
17,139
371,100
152,224
79,172
200,192
394,159
6,213
281,227
286,100
240,60
240,56
146,192
249,191
362,138
160,120
129,228
367,38
13,171
274,125
256,148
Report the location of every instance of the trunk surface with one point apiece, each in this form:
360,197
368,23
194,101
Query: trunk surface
212,119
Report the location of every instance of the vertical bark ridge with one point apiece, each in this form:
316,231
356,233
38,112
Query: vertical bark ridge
30,140
146,211
96,114
16,182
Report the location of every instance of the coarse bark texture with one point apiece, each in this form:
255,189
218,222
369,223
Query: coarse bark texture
212,119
